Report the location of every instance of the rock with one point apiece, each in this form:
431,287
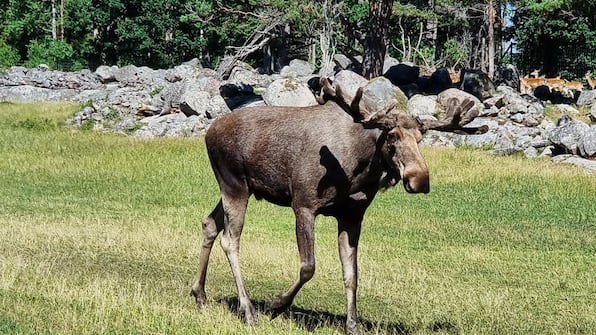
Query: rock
587,98
28,93
171,125
453,93
106,73
246,75
203,103
531,152
504,144
297,68
379,97
289,92
348,82
342,61
567,134
566,109
422,105
586,164
587,144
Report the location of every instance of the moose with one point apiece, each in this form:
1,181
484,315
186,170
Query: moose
330,159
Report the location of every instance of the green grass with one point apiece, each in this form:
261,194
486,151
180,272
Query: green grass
99,234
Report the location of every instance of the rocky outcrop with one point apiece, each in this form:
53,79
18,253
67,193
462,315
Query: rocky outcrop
184,100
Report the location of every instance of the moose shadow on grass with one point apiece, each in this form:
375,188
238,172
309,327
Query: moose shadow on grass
311,320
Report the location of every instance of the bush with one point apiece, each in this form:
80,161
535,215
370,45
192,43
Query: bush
53,53
455,53
9,56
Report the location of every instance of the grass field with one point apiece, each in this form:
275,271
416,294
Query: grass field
99,234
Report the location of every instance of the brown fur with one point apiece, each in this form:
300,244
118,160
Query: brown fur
316,160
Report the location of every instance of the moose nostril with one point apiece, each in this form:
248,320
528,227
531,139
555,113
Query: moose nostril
417,184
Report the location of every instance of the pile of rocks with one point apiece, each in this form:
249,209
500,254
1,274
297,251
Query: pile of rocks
184,100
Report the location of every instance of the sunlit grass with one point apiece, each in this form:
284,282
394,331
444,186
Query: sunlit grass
99,234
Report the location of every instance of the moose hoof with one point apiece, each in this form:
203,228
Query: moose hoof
277,306
250,314
352,327
200,298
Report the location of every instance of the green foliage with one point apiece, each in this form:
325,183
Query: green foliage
9,55
163,33
455,53
54,53
564,44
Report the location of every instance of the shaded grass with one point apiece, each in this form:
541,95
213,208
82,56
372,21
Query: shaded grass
99,234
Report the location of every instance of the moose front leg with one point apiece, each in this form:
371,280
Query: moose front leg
348,235
305,236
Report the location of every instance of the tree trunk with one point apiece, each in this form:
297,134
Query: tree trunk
54,32
490,13
375,44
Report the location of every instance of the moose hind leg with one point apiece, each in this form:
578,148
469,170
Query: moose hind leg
235,209
212,225
305,236
348,236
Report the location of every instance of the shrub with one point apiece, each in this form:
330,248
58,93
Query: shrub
9,56
53,53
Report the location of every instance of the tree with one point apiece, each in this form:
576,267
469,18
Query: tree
556,36
375,45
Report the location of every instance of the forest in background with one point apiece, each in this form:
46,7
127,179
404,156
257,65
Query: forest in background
556,36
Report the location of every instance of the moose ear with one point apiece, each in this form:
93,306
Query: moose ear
397,133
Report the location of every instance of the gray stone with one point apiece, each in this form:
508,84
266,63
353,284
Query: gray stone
379,97
587,98
586,164
28,93
106,73
531,152
297,68
567,135
587,144
348,82
289,92
422,105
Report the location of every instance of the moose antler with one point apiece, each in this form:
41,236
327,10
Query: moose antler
457,116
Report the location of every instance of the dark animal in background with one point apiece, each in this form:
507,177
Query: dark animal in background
476,83
436,83
507,74
402,74
317,160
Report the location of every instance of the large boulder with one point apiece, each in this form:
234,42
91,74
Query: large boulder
348,82
106,74
567,134
379,97
587,98
289,92
28,93
587,145
453,93
419,105
297,68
